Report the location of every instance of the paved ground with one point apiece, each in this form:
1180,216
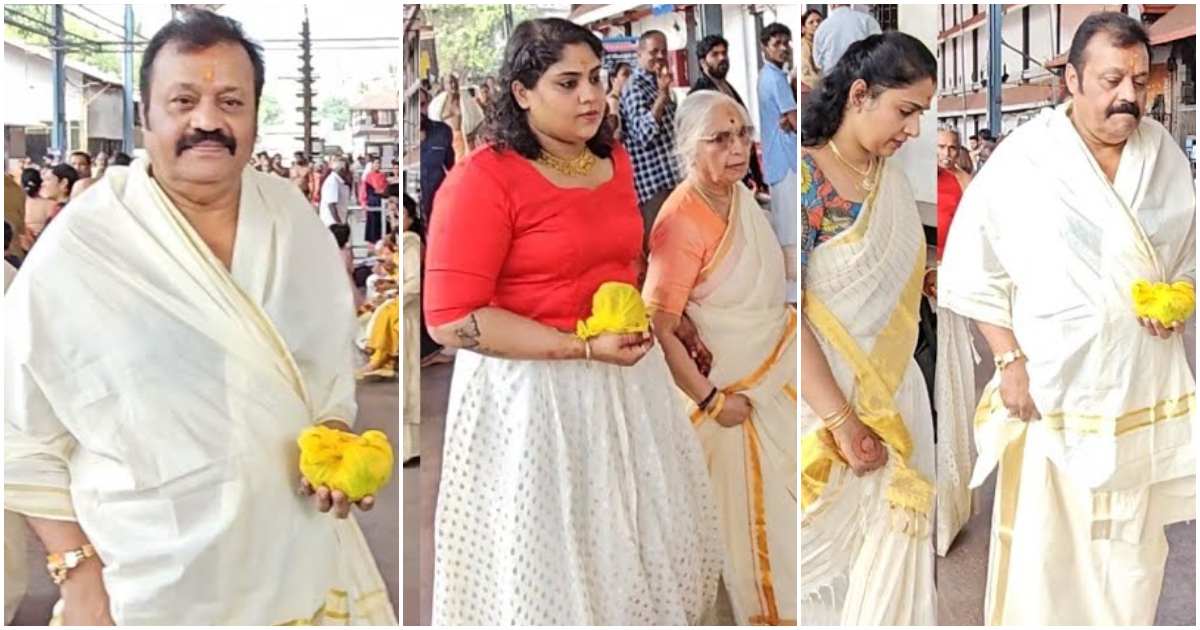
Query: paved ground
962,574
420,496
378,409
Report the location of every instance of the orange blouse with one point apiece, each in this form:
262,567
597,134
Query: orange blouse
685,238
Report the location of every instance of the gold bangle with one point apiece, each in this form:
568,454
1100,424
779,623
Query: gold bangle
838,419
838,422
829,417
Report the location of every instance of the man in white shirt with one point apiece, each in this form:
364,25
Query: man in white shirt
335,194
843,27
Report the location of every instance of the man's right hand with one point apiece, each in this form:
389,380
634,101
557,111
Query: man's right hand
863,450
1014,392
665,80
85,600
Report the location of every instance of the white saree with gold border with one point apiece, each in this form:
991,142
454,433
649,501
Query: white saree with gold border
155,397
866,549
1044,245
739,308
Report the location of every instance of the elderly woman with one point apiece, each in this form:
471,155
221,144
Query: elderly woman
714,257
573,491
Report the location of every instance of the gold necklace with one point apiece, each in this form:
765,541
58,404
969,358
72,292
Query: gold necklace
577,166
867,183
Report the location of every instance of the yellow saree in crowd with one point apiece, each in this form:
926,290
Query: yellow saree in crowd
728,277
154,396
866,550
1084,493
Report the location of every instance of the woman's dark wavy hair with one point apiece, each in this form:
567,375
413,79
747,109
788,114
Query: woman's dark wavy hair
536,45
890,60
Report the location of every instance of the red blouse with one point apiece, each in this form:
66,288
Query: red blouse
502,235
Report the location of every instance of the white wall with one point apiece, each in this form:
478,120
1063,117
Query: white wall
919,155
676,39
737,26
30,93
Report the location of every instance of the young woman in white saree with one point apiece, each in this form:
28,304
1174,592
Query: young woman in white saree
867,453
573,491
714,256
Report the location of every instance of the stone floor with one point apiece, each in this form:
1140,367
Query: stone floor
378,403
420,496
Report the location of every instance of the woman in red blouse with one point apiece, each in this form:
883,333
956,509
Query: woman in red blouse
573,490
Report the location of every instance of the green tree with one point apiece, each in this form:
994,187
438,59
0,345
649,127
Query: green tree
79,35
470,38
336,110
270,112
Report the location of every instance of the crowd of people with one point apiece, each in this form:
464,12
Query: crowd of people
570,177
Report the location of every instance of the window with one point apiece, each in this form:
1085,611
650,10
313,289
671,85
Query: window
942,57
1058,29
887,15
954,52
1025,38
975,56
384,118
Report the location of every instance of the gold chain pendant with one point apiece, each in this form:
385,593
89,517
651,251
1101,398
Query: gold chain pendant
575,167
868,182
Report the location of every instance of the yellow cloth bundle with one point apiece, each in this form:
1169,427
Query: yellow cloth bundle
1164,303
357,465
617,307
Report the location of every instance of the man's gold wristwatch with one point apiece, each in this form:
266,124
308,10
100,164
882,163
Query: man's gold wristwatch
58,564
1008,358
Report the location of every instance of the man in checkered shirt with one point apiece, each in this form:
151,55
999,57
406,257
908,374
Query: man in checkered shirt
648,120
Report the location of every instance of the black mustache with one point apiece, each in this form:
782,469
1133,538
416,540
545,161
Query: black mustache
1124,107
201,136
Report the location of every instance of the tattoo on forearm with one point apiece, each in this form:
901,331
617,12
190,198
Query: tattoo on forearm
468,333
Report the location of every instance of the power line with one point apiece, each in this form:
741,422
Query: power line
92,24
119,26
47,30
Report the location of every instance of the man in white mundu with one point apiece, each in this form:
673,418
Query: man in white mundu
1089,415
177,328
